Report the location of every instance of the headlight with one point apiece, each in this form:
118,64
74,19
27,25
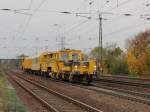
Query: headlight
76,66
94,67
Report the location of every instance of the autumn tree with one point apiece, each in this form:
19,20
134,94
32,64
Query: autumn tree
114,59
139,54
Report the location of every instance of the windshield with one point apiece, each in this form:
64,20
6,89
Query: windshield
75,57
64,57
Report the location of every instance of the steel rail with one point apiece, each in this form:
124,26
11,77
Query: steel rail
50,107
124,82
130,95
67,98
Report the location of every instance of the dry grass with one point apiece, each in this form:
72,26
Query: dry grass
8,99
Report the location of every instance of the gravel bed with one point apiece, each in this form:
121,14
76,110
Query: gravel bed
31,103
57,102
106,103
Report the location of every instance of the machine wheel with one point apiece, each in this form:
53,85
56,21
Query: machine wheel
71,78
63,76
88,79
58,76
52,75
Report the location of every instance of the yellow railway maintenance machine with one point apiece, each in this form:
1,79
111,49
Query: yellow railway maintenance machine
63,65
27,64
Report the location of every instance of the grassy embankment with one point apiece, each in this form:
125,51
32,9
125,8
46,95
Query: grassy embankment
8,99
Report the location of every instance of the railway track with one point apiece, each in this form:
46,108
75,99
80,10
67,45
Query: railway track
122,93
54,101
133,88
131,92
125,80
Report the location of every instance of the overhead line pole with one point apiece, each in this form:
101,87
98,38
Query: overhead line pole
100,47
100,43
100,38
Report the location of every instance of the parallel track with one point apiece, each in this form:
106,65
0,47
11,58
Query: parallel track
126,81
122,93
54,101
139,94
126,78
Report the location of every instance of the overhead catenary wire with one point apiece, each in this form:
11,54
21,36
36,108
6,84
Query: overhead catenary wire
117,31
30,17
127,28
133,12
30,4
29,8
74,27
80,35
121,29
85,26
124,29
119,5
25,25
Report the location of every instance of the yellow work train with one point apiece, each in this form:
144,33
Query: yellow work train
63,65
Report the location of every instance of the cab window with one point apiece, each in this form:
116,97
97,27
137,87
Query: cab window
64,57
75,57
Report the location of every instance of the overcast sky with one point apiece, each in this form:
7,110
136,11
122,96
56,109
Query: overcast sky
34,30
